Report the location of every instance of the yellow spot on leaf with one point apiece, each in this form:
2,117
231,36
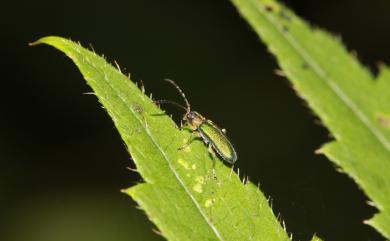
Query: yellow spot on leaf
184,164
198,188
209,203
199,179
193,167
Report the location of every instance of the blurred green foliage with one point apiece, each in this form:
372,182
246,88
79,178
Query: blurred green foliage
344,94
50,131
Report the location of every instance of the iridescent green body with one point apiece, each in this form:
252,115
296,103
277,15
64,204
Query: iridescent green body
213,135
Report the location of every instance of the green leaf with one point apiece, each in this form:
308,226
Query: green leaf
179,194
315,238
350,102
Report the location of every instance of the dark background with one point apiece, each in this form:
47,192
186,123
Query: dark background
63,163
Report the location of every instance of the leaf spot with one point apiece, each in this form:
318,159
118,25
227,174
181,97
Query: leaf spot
199,179
209,202
184,164
137,107
198,188
383,120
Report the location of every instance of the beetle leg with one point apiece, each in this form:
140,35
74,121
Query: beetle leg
182,126
211,151
189,141
213,157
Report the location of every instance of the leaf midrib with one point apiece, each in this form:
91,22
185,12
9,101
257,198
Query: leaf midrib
322,75
209,223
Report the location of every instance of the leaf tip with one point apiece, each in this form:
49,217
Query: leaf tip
54,41
42,40
126,191
319,151
316,238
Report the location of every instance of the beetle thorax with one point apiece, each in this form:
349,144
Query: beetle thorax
194,119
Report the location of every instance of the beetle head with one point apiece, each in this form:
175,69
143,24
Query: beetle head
194,119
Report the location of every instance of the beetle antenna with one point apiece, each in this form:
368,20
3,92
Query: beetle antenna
170,102
181,92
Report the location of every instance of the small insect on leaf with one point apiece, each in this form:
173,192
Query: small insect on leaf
200,127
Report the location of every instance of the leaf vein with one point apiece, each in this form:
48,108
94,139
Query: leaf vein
322,75
197,205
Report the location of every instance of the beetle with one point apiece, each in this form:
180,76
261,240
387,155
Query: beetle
213,136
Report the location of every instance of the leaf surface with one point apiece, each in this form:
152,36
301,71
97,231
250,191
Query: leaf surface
351,103
315,238
179,194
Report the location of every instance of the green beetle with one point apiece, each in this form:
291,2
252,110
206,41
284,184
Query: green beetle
210,133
